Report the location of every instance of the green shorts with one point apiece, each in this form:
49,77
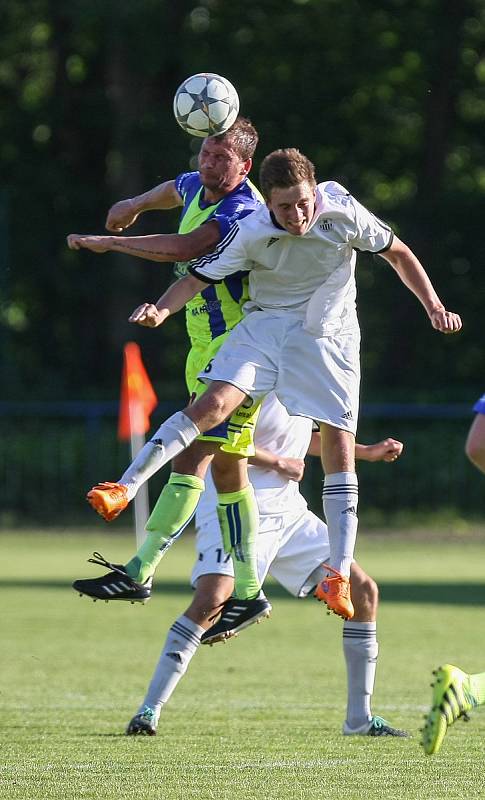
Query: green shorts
236,434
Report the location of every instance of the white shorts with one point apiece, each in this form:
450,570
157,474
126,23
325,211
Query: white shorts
315,378
290,548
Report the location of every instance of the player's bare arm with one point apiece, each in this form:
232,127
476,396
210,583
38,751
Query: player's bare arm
290,468
386,450
124,213
415,277
162,247
174,299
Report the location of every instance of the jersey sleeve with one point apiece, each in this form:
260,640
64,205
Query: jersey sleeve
183,181
229,257
234,206
479,407
371,234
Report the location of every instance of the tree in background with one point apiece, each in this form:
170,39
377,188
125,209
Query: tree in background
388,97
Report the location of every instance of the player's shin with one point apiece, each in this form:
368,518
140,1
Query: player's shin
340,500
239,520
173,436
360,651
172,513
180,647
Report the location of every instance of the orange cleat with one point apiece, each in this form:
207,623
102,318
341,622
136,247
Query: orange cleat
335,593
108,499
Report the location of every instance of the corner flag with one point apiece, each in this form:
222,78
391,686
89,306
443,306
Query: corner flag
137,401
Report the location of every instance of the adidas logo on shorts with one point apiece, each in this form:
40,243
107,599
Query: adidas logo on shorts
347,415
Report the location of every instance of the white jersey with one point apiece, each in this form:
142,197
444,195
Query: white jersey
311,276
283,436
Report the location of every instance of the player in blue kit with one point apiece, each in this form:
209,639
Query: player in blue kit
475,443
211,199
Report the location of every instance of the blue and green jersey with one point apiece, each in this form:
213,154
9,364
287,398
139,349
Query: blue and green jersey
218,308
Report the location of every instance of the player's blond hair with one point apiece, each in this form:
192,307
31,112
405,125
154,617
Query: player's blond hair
283,169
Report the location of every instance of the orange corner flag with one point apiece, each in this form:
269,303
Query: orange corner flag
138,398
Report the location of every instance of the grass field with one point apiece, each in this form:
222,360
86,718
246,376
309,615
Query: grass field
256,719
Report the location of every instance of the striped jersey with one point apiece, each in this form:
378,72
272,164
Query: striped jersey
311,276
219,307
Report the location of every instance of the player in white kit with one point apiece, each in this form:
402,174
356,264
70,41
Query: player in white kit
292,546
300,337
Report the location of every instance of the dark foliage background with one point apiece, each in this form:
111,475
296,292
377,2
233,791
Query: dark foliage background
387,97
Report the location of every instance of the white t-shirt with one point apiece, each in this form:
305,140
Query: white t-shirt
311,276
283,436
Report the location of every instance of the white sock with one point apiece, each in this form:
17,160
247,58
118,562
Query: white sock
180,646
340,499
360,650
173,436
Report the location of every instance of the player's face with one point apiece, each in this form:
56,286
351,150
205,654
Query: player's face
293,208
221,169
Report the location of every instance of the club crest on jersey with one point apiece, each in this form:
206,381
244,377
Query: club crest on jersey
325,225
271,241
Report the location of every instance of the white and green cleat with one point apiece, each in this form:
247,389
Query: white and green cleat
452,698
144,723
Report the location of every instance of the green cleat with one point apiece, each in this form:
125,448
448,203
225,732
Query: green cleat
452,699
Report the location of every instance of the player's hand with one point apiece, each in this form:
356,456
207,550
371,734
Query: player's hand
291,468
148,315
387,450
445,321
121,216
98,244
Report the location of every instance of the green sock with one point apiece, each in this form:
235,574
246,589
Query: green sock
172,513
477,685
239,520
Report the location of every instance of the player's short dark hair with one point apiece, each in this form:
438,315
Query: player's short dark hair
283,169
242,136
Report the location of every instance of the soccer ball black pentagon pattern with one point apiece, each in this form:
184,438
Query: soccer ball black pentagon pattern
206,104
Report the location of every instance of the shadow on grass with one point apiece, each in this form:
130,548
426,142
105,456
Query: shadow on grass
465,594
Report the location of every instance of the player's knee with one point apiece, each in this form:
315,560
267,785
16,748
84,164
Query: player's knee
229,472
211,408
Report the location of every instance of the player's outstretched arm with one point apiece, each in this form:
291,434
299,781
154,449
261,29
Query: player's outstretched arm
386,450
415,277
174,299
124,213
291,468
162,247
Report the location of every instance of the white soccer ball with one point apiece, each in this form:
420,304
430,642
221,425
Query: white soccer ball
206,104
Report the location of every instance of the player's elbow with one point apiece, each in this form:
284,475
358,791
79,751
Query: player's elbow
199,242
475,452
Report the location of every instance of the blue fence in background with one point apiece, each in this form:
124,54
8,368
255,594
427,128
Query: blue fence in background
51,453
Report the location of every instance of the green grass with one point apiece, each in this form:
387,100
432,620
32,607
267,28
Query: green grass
256,719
